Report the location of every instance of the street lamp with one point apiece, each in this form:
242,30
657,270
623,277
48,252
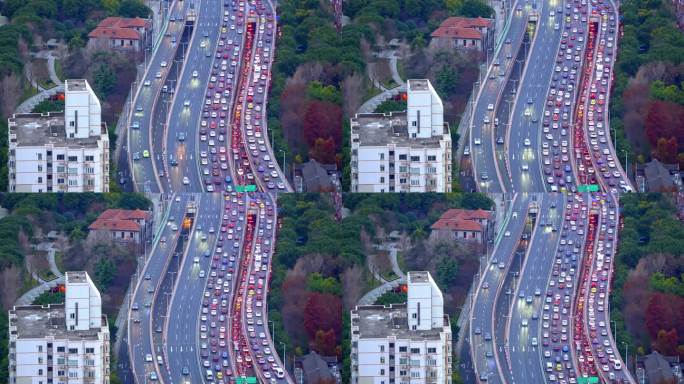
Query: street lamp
283,344
272,330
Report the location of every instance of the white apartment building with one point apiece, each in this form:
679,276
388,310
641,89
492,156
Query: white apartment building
407,151
403,343
65,151
63,343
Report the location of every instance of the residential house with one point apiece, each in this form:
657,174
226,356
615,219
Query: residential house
119,33
131,227
464,33
463,225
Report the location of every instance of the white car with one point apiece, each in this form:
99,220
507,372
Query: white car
195,74
525,167
146,83
163,64
477,141
527,142
186,103
186,181
203,44
490,107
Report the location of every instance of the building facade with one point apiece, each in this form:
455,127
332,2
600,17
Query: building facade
463,225
464,33
403,343
406,151
60,344
60,151
128,227
120,34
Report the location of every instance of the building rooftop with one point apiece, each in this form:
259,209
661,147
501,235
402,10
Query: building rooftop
76,277
114,225
76,85
125,214
377,321
466,22
457,33
37,322
35,129
123,22
418,84
418,277
114,33
376,129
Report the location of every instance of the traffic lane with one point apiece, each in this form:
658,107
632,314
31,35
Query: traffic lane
186,108
220,121
525,358
484,299
139,338
488,96
534,88
211,360
142,105
182,338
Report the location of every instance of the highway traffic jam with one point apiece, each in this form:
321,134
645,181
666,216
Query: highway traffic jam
232,132
568,319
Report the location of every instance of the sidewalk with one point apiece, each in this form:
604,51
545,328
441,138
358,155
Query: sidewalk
28,297
370,297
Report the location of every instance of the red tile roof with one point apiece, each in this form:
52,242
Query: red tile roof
123,22
114,33
457,33
457,225
124,214
466,22
466,214
114,225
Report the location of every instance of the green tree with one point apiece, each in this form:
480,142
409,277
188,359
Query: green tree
134,8
446,82
104,80
476,8
105,271
447,270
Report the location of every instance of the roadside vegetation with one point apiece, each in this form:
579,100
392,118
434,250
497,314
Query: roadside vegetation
30,218
320,268
31,24
647,300
647,106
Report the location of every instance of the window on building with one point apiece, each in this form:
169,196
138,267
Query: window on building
415,158
402,157
60,157
40,348
60,181
382,348
382,372
415,182
73,350
60,361
414,123
40,180
402,373
432,350
382,179
60,169
40,372
382,359
40,360
403,349
415,350
415,374
73,158
415,170
382,156
60,349
73,374
432,158
403,361
40,168
382,168
73,183
402,181
90,170
60,373
391,153
431,362
90,158
40,156
90,350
